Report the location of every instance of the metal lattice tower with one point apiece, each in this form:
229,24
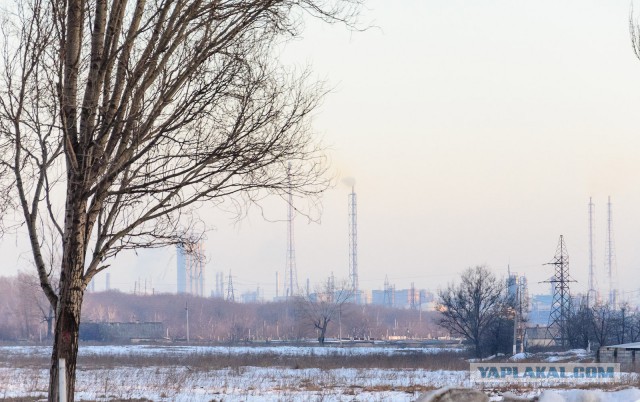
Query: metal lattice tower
353,244
230,292
611,259
592,294
290,273
557,330
388,293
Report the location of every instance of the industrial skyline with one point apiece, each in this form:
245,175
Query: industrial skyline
459,166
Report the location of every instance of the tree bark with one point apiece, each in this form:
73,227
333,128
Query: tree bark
65,345
72,286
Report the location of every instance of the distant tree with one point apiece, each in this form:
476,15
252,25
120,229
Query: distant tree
602,321
498,338
472,307
634,325
624,324
579,328
31,295
324,305
120,119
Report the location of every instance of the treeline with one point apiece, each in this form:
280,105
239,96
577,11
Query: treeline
27,316
483,309
602,325
216,319
24,309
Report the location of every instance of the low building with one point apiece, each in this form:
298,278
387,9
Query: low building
121,331
627,354
537,337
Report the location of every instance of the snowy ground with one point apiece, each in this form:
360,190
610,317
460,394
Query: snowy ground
173,380
246,384
169,350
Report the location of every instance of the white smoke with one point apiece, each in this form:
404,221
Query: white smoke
349,181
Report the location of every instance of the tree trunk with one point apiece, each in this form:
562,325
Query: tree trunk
67,323
323,331
65,345
321,336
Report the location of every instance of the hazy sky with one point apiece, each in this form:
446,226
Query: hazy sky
476,133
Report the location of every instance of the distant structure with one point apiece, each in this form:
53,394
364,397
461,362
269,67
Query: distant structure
610,259
290,273
230,291
518,292
121,331
557,328
540,309
412,298
522,308
251,296
108,281
353,244
592,294
388,293
190,268
219,289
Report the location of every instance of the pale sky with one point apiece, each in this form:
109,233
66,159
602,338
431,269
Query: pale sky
476,133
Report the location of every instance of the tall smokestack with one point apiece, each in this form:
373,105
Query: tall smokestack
353,244
592,293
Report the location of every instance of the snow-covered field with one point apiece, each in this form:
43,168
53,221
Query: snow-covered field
173,379
170,350
245,384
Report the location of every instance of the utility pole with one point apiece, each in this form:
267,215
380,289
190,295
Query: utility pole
186,307
340,323
523,298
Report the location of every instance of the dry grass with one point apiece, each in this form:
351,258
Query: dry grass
409,359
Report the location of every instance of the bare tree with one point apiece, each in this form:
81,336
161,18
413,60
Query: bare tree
31,293
602,321
472,307
634,325
579,328
119,119
324,306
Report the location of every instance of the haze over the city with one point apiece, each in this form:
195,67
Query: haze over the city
476,133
